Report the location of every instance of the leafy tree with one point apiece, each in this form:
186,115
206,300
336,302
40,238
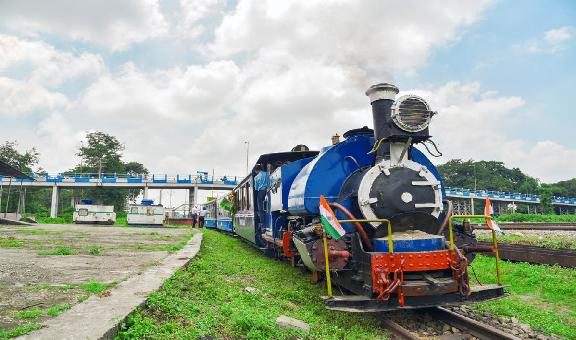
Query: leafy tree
488,175
568,188
101,154
24,162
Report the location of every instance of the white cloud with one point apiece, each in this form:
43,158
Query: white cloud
552,41
17,97
194,93
47,66
559,35
476,124
196,16
380,35
108,23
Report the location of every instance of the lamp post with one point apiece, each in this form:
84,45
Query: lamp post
247,153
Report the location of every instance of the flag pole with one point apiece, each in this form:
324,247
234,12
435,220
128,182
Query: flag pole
328,280
497,256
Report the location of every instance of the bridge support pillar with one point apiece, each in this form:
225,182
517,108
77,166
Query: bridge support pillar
54,202
146,192
192,200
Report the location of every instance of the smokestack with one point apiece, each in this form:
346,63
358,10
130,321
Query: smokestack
382,98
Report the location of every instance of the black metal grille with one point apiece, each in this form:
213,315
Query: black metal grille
412,114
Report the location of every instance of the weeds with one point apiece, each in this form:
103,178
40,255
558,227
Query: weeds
29,314
95,250
11,242
542,296
57,251
207,299
56,310
20,330
95,287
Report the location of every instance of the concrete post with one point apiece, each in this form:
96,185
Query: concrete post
191,198
146,192
472,204
54,203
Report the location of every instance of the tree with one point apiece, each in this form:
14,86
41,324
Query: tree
488,175
25,162
102,154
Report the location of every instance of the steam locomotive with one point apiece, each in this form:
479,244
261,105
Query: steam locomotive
371,176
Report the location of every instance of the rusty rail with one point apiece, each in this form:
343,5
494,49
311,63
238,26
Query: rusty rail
467,325
533,226
537,255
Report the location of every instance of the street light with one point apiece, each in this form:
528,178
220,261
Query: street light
247,153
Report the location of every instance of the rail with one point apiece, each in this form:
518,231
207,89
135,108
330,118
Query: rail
506,196
110,178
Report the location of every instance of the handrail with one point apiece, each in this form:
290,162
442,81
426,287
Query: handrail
494,241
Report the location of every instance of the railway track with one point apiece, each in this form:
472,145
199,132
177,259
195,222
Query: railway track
533,226
537,255
466,325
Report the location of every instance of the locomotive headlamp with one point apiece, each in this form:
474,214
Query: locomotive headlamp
411,113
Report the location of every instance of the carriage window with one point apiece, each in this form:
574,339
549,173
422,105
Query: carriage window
248,196
83,212
134,210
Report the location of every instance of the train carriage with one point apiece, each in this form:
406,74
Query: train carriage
210,219
89,213
223,217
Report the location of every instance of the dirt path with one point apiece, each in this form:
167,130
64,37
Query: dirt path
33,280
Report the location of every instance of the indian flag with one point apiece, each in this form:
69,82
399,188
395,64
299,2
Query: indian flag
489,211
329,221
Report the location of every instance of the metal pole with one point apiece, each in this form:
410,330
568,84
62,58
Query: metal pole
247,153
328,279
497,256
8,197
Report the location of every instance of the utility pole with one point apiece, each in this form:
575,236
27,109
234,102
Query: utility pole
247,153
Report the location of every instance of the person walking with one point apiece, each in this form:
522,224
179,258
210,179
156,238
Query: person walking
194,216
202,217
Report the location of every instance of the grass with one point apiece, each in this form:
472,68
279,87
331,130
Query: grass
95,287
547,241
20,330
29,314
57,251
536,218
542,296
11,242
95,250
57,310
207,299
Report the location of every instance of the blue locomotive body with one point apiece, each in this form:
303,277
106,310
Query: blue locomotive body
394,251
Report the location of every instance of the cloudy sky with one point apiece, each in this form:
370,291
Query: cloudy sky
184,83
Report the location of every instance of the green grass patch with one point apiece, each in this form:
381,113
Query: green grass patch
57,310
542,296
20,330
536,218
11,242
95,287
29,314
121,219
54,287
95,250
57,251
546,241
208,298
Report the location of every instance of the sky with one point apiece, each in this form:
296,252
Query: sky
184,84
